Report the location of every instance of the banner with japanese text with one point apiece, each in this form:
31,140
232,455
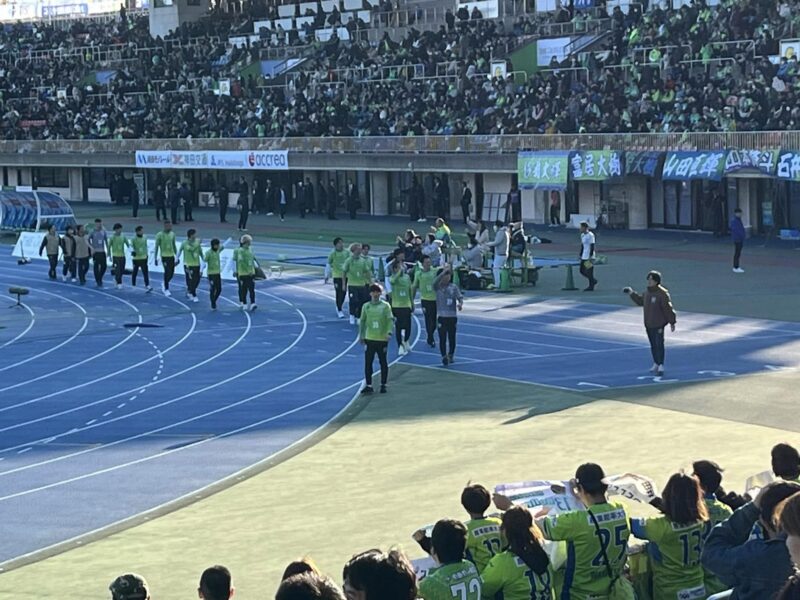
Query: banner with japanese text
788,165
751,161
686,166
643,163
542,170
596,165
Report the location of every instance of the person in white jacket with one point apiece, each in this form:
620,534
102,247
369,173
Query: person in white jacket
500,247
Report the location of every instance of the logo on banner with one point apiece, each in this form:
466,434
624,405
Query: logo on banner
266,160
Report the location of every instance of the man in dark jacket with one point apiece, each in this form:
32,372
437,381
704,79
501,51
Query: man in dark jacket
186,198
174,196
658,313
756,569
353,203
737,235
333,199
160,201
223,196
308,197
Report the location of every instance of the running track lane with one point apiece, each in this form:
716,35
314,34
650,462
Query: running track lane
204,395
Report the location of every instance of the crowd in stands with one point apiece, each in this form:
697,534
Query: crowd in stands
703,541
697,68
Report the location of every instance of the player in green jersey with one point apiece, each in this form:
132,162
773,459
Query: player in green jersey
166,246
358,271
192,255
455,577
139,253
423,281
214,272
245,267
676,540
587,572
402,304
709,474
375,327
117,243
336,260
521,571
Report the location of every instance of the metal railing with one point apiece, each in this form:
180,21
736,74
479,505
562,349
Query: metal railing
445,144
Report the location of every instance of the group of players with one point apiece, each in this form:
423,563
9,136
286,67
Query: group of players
77,249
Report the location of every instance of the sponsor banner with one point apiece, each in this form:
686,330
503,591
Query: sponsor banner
596,165
760,161
788,165
543,170
643,163
685,166
548,48
238,160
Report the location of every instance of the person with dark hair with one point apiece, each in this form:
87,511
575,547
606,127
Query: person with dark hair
165,244
402,303
188,201
308,586
466,201
243,203
374,575
215,584
160,201
192,254
213,272
500,246
139,253
786,462
358,272
448,541
336,260
658,312
449,301
98,242
423,281
755,568
129,586
592,566
174,199
587,255
676,540
83,252
375,327
67,244
297,567
223,197
117,244
522,570
245,272
787,514
51,242
738,235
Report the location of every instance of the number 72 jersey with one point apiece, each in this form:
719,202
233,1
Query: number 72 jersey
456,581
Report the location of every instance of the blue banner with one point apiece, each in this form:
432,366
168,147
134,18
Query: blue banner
583,4
685,166
788,165
753,161
643,163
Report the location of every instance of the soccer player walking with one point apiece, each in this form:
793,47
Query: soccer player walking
139,254
192,252
449,301
213,271
68,253
375,327
165,244
358,271
658,313
246,272
51,242
82,253
402,305
423,281
98,242
587,255
336,260
117,244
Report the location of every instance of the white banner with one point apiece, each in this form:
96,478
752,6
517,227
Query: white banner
548,48
790,48
238,160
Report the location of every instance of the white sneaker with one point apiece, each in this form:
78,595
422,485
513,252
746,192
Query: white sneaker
352,320
407,346
358,321
243,306
421,220
167,293
253,307
148,289
660,371
401,351
738,270
73,280
270,214
340,314
63,278
119,286
654,368
195,299
188,296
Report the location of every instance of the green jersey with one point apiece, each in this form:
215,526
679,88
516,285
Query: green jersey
336,260
212,260
401,290
456,581
507,574
165,244
139,247
191,253
117,244
585,572
674,551
245,261
358,271
424,283
483,537
717,513
376,321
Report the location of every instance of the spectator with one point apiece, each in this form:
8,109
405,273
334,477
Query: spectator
375,575
333,199
500,247
473,254
297,567
481,232
514,206
786,462
466,201
308,586
160,202
738,236
448,542
215,584
129,587
353,203
755,568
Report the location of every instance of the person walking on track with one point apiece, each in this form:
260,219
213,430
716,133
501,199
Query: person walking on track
139,253
658,313
738,236
587,255
98,241
83,252
423,281
192,254
449,301
245,263
51,242
117,245
358,271
336,260
214,272
375,328
165,244
402,304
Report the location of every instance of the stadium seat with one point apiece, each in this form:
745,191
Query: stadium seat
18,292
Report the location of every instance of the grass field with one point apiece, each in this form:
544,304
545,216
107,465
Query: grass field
401,461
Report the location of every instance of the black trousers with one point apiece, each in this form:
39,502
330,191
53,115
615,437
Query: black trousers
555,219
373,348
656,337
53,260
737,253
247,284
402,323
358,295
140,263
223,212
243,214
341,292
161,210
429,310
135,206
192,279
118,266
282,210
83,269
173,214
187,211
447,334
169,269
588,273
100,266
465,211
215,288
69,266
